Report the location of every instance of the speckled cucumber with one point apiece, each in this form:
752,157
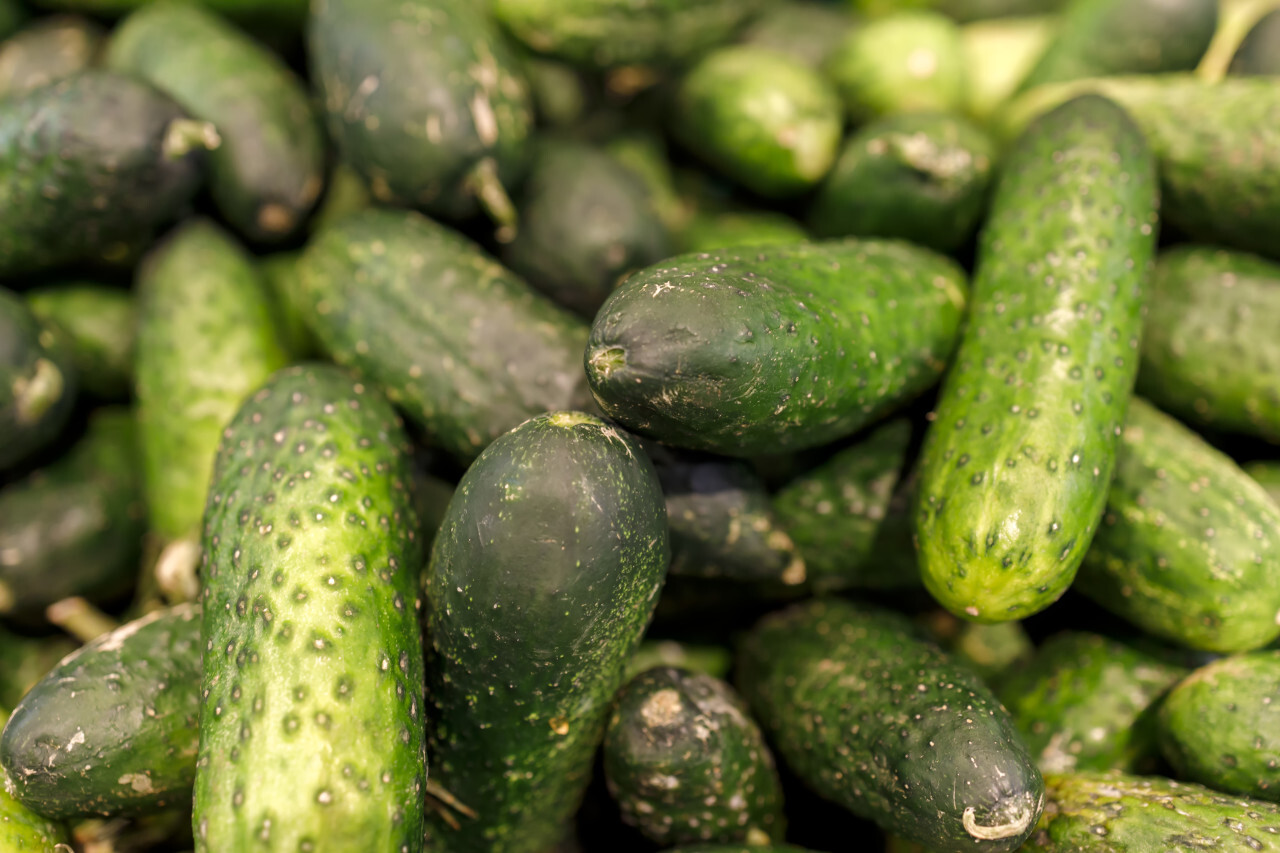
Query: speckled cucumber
48,50
268,170
311,712
542,580
1188,549
93,165
779,348
100,323
111,730
425,101
37,381
460,343
872,717
1015,468
687,764
23,830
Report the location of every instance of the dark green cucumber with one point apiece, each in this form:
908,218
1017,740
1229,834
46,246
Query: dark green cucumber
100,323
715,661
1259,51
425,101
686,763
778,151
111,730
542,580
876,719
92,166
1015,468
804,30
268,171
921,177
37,381
461,344
24,661
23,830
1086,702
714,231
586,220
311,713
833,512
1188,549
50,49
780,348
1208,354
1119,813
75,527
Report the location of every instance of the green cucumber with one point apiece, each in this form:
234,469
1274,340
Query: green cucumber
991,650
37,381
542,580
876,719
714,661
1086,702
644,154
93,165
461,344
804,30
1015,467
111,730
268,171
1207,354
686,763
1259,51
311,711
50,49
100,323
713,231
76,526
24,661
741,353
23,830
279,273
345,192
424,100
998,54
1188,549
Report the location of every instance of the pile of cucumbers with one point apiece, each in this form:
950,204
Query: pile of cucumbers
562,426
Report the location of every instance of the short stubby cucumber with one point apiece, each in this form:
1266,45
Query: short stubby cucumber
112,730
48,50
311,713
1015,468
777,347
1188,549
38,381
100,323
543,577
872,717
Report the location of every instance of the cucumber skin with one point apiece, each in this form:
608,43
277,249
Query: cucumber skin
1015,467
38,381
872,717
543,577
1188,548
127,705
100,323
311,700
771,349
462,345
268,171
84,172
22,829
48,50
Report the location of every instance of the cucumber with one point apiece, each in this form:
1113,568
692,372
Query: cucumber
1267,475
876,719
644,154
1086,702
714,661
268,171
998,53
1015,467
93,165
37,381
804,30
22,829
461,344
991,651
111,730
562,95
279,274
48,50
542,580
1258,50
311,703
710,232
1188,548
24,661
758,351
687,764
1207,354
100,323
345,192
76,526
424,100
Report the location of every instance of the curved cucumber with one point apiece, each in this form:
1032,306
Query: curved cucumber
37,381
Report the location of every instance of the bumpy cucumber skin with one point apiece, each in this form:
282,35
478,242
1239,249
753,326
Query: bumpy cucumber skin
1015,468
1086,702
710,232
883,723
1119,813
206,339
687,764
37,381
1259,51
418,96
460,343
1208,352
100,323
85,174
1188,548
311,705
543,577
776,348
48,50
112,730
268,170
